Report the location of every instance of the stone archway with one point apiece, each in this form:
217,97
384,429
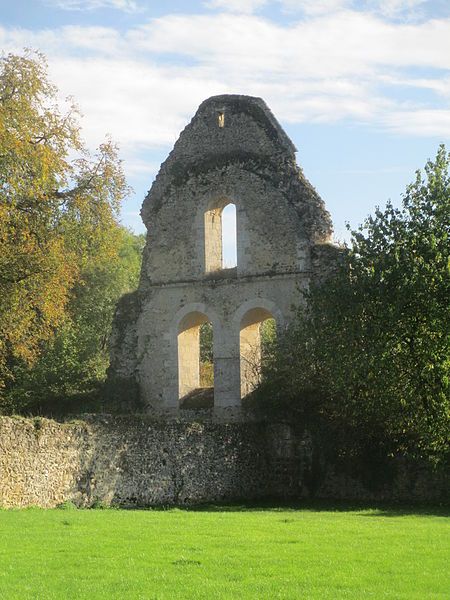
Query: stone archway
250,317
186,333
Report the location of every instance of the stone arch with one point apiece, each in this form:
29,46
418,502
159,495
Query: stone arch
186,332
213,243
261,303
249,318
192,307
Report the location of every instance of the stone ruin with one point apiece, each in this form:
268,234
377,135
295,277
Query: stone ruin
232,152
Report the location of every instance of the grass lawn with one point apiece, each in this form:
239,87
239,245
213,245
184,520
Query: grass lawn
229,552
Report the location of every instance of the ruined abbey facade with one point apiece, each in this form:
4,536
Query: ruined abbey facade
232,152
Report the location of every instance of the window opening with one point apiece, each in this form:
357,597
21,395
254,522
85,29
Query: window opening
257,344
195,362
221,237
229,242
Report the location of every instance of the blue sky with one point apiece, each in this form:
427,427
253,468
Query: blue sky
362,87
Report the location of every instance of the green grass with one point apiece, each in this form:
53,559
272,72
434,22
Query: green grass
224,553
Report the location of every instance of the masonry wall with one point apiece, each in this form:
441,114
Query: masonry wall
130,461
142,462
233,151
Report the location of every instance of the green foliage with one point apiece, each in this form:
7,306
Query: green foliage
206,355
60,241
268,332
73,363
370,357
67,505
206,343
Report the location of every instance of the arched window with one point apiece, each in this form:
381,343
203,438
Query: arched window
195,362
229,241
257,335
220,236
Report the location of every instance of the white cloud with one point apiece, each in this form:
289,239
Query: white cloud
238,6
138,167
391,8
315,7
409,9
348,43
98,40
140,104
348,65
124,5
432,122
251,6
440,86
326,68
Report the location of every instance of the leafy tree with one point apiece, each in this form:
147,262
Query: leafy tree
58,207
370,357
69,374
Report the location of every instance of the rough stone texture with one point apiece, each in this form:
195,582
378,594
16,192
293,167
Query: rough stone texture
137,461
233,151
131,461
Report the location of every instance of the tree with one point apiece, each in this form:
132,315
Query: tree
56,212
371,354
70,372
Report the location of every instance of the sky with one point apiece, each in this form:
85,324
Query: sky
362,87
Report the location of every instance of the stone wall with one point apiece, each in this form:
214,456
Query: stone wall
143,462
130,461
232,152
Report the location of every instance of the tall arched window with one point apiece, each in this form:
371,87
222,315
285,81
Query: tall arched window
229,241
257,334
195,361
220,236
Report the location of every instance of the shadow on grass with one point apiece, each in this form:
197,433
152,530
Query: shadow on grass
365,509
368,509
